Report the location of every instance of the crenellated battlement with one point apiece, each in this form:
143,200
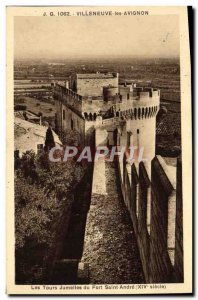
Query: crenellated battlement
61,90
154,204
134,103
138,113
142,93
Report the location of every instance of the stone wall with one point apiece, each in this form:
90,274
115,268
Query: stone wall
67,119
101,136
95,106
155,207
92,84
68,97
162,231
144,219
89,132
179,224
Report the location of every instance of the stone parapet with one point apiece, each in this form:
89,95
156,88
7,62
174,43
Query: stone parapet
155,207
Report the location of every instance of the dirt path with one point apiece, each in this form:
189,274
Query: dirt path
110,245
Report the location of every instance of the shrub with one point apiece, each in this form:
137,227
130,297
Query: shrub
43,192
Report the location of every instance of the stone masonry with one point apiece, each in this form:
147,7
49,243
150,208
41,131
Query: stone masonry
109,231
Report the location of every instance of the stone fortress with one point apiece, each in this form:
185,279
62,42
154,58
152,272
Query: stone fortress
106,112
97,101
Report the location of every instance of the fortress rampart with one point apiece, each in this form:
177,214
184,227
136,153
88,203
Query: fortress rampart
141,102
136,106
69,98
155,209
125,115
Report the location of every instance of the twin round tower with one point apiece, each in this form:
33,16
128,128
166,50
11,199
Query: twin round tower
100,108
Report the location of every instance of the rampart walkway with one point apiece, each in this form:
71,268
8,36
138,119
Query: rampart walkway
110,246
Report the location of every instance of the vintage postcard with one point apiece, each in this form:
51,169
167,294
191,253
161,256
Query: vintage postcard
99,150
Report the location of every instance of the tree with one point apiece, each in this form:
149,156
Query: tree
33,213
41,185
162,112
43,199
49,140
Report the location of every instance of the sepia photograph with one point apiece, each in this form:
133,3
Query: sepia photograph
99,150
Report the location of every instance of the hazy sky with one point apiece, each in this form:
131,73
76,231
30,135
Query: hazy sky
63,37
